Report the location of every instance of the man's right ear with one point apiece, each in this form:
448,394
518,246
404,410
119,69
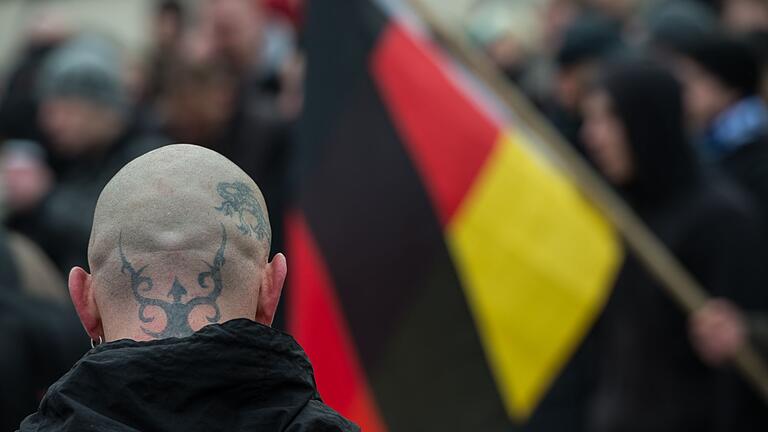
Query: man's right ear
270,290
81,291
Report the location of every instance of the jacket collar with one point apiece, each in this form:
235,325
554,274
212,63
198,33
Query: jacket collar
217,369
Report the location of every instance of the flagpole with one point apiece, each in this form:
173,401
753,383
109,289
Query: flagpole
676,281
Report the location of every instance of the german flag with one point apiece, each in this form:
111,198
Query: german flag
442,271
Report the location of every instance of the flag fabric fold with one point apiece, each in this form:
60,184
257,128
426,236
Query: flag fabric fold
443,271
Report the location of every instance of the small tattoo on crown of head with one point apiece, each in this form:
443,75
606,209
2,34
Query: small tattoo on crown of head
239,201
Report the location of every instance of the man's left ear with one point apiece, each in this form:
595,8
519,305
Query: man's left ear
272,282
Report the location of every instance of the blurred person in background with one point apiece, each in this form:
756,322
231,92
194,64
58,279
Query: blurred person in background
728,89
199,102
589,41
146,76
168,25
83,116
40,328
254,43
20,161
750,19
554,18
508,32
41,340
46,30
728,116
650,377
260,47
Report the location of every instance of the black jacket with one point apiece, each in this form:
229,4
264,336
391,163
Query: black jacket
40,341
748,166
236,376
650,378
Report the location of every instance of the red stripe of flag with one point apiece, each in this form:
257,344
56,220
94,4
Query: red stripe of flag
318,324
447,135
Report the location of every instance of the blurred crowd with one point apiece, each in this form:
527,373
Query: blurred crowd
76,106
666,98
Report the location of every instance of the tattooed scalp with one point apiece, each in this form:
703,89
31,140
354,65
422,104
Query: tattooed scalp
178,310
239,202
180,236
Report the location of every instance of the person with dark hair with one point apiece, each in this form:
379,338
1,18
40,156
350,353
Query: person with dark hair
179,301
168,24
650,377
587,42
722,77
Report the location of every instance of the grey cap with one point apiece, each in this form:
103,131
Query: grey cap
89,68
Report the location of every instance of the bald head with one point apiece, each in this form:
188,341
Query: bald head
180,238
175,199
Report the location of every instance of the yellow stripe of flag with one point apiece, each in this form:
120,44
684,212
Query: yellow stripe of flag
537,263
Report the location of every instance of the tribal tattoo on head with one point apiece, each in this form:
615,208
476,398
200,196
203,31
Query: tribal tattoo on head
238,200
177,311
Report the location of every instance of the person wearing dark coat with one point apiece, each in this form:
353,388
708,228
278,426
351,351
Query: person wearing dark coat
41,340
178,305
722,76
41,337
83,114
650,377
722,84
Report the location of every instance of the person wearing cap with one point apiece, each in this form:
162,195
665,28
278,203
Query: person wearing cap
84,117
722,78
